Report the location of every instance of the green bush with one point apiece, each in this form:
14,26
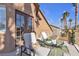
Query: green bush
72,37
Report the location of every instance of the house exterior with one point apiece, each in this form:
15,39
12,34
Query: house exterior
56,31
16,18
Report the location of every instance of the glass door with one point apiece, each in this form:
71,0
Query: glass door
23,24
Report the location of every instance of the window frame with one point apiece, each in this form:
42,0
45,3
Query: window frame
21,13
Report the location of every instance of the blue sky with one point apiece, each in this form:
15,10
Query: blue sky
53,12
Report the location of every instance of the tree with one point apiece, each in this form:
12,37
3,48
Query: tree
76,14
70,20
65,15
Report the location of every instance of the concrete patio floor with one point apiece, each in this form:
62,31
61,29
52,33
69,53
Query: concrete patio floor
13,53
72,51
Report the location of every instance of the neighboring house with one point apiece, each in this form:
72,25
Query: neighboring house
56,30
18,18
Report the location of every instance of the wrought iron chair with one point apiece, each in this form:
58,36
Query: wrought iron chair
30,39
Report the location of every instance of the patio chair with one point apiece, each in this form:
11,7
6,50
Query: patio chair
44,36
30,39
54,42
27,48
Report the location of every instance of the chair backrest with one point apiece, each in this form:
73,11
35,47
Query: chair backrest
33,38
54,41
29,38
44,35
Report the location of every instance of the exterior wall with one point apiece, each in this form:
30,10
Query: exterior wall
43,26
10,35
56,31
24,7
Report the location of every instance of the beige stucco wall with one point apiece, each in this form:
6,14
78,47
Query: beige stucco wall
56,31
24,7
43,26
10,35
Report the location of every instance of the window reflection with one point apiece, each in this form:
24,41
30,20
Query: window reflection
2,19
29,23
19,24
23,24
19,20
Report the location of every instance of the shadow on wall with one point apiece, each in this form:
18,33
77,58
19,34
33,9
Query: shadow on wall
1,40
9,36
7,41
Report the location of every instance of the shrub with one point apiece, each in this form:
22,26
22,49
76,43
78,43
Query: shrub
72,37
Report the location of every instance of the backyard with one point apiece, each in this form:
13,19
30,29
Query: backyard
33,30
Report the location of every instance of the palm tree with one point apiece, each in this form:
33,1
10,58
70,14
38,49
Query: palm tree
76,14
70,20
65,15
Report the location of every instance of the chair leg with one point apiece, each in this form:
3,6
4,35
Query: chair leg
21,52
33,53
25,51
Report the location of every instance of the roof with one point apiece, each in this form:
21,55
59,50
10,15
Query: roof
37,7
55,26
45,20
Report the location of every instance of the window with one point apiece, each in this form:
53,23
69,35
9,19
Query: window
19,23
29,23
37,17
2,19
23,23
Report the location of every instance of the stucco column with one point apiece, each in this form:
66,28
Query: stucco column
9,35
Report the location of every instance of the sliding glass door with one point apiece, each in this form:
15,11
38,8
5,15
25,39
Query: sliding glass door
23,24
